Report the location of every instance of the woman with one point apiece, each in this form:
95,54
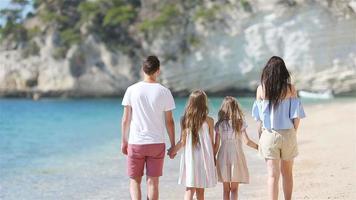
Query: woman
278,110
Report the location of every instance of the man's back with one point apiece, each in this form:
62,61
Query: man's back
149,101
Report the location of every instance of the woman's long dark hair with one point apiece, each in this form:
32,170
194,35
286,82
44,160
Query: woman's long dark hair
275,80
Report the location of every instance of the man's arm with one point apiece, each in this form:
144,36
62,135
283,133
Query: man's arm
125,127
170,127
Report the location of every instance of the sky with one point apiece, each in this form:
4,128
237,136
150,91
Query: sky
6,4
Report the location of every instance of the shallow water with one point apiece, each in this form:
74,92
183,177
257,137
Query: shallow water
70,149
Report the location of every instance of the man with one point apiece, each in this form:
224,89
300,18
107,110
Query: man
147,113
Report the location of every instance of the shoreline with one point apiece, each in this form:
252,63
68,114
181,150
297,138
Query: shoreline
341,97
85,95
79,95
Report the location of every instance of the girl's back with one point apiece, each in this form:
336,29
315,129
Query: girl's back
197,161
227,132
231,162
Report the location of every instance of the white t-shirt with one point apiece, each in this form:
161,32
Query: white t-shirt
148,101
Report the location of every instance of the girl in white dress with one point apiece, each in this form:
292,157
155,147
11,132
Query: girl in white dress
197,168
231,164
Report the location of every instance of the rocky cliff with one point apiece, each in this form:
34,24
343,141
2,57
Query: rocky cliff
317,39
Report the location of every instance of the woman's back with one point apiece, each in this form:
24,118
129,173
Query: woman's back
281,115
290,93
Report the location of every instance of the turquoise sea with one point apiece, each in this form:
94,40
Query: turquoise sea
67,149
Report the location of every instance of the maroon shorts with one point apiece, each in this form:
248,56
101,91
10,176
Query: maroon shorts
150,154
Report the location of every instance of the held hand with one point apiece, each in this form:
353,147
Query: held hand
124,147
172,156
171,153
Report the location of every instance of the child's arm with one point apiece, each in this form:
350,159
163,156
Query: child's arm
181,143
248,141
211,130
125,126
217,141
211,134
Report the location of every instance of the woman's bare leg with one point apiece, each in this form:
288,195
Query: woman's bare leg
287,175
273,170
234,190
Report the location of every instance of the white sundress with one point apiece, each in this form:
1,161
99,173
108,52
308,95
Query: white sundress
197,168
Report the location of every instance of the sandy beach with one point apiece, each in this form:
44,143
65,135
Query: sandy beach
324,169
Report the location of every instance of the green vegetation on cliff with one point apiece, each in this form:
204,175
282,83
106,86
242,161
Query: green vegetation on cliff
120,24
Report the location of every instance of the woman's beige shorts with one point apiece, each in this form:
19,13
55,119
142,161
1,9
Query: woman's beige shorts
278,144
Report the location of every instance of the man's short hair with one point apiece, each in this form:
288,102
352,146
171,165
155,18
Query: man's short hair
151,65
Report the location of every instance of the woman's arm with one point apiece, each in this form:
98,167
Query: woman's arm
296,123
248,141
259,95
294,94
259,128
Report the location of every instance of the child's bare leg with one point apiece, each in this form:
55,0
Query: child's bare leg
135,188
152,188
189,193
200,193
273,170
287,175
226,188
234,190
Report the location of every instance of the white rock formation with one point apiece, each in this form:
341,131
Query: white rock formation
318,45
319,49
88,70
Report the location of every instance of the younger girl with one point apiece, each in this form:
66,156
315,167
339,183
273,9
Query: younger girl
197,169
231,163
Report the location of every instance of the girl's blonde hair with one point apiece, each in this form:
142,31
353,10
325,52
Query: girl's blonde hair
230,110
195,114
